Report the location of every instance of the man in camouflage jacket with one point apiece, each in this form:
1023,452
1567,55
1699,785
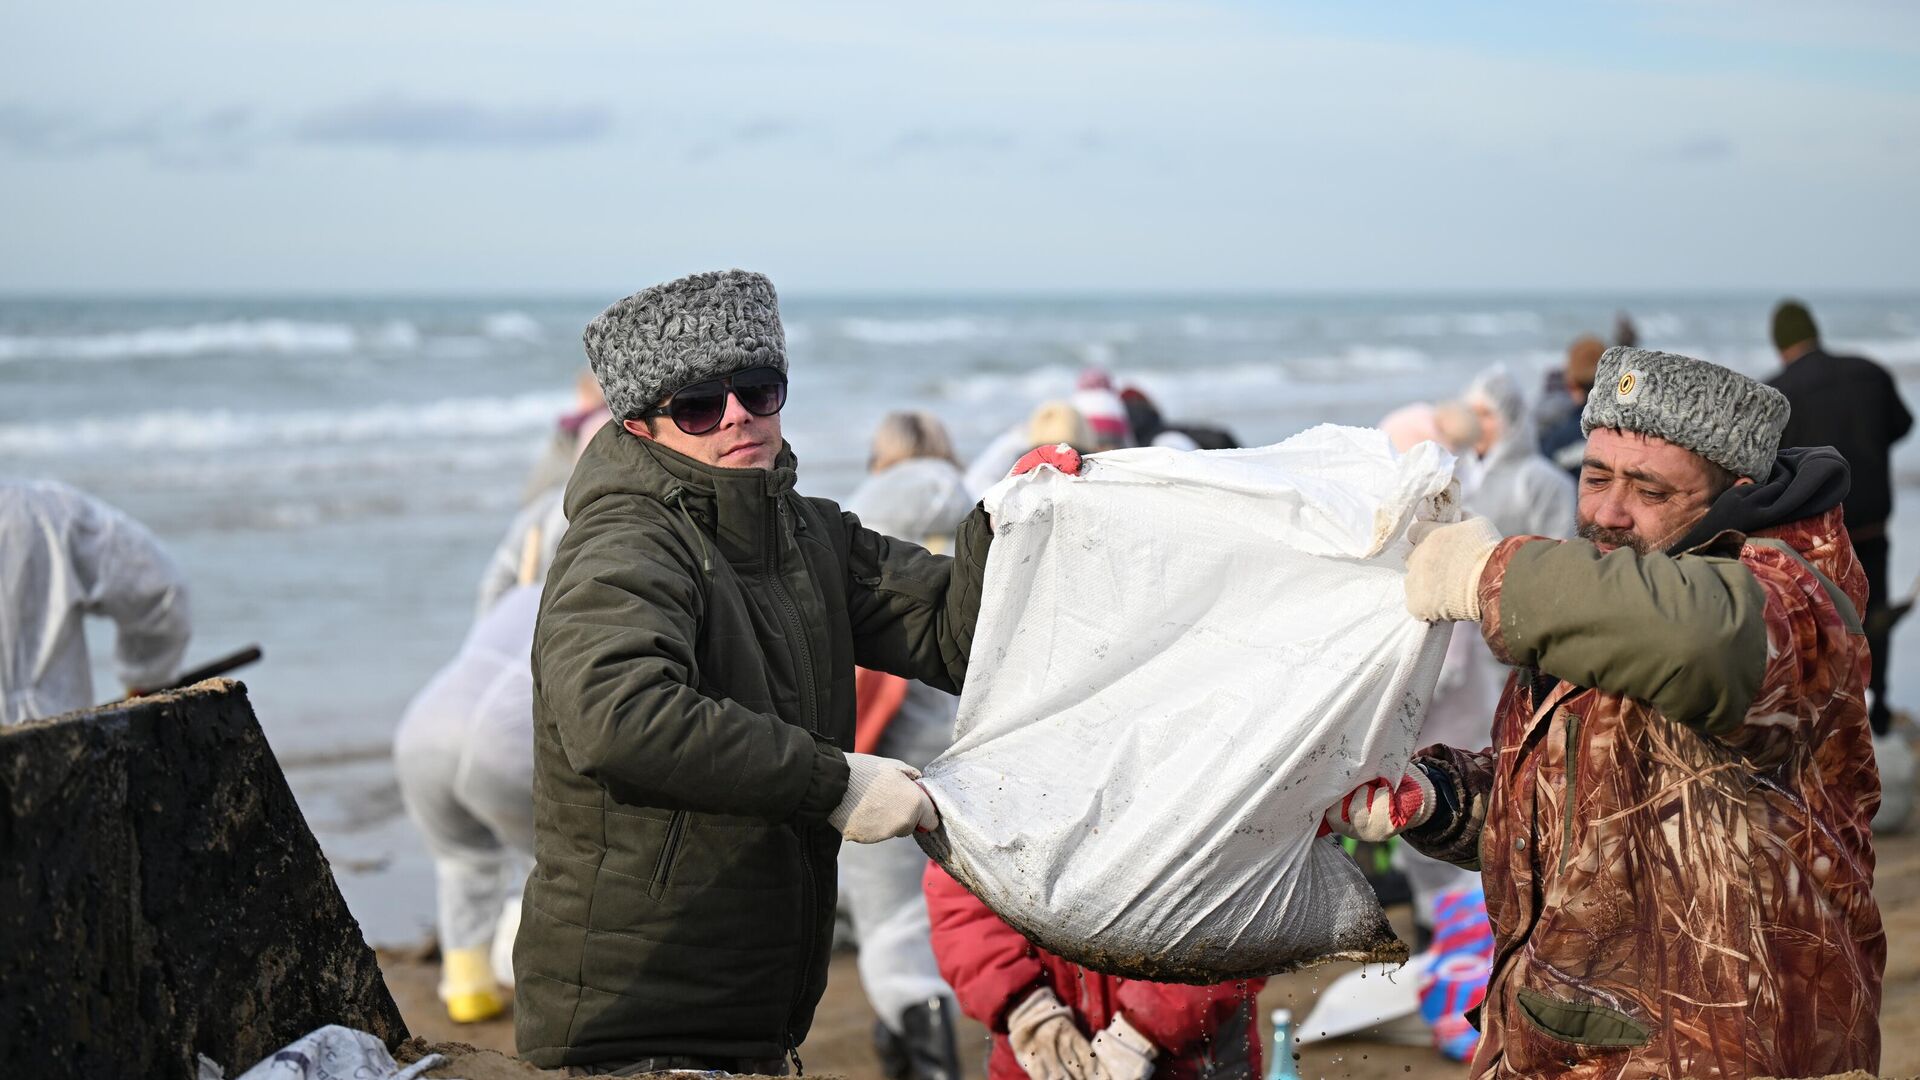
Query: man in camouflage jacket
1672,817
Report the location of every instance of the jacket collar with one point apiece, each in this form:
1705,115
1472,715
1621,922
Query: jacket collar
1803,485
736,508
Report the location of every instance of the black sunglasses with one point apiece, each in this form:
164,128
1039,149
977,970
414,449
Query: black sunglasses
699,407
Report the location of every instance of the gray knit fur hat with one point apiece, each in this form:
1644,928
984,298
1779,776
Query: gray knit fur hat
700,327
1721,415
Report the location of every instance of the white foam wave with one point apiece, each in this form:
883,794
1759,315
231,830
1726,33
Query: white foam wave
234,336
1904,352
512,326
1214,328
397,335
1384,359
219,429
1467,323
999,387
1659,326
952,329
933,331
1052,381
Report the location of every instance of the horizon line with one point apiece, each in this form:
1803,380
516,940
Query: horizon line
1624,293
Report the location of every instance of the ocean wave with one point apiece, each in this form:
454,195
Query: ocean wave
955,329
1903,352
1659,326
1382,359
1215,328
512,326
217,429
934,331
1465,323
235,336
1053,381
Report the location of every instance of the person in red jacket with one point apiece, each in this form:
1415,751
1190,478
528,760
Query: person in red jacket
1054,1020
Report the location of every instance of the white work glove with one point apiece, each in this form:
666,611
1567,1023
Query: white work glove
1122,1052
1378,809
1046,1042
882,801
1443,573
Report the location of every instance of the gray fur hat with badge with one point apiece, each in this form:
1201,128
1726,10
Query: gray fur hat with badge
699,327
1720,414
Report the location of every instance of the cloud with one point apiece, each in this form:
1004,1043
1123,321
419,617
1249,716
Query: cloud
945,140
751,133
1698,149
215,138
405,123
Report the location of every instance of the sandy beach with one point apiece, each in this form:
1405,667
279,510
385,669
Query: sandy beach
840,1043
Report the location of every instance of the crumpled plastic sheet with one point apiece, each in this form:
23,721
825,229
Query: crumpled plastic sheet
333,1052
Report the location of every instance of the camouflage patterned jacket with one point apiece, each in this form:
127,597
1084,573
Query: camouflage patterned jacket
1672,820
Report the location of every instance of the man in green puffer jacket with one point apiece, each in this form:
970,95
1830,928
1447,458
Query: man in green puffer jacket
693,703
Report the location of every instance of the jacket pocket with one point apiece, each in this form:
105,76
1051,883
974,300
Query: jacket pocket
1583,1023
663,868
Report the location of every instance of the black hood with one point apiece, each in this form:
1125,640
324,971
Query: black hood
1805,482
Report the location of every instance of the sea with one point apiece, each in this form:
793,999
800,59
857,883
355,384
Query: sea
332,474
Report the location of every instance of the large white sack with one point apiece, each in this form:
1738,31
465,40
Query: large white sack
1182,660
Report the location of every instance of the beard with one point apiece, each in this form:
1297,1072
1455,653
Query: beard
1620,538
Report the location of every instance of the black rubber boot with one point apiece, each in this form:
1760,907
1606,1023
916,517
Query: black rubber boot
891,1049
930,1041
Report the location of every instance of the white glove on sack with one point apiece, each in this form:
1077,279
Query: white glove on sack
1046,1042
882,801
1122,1052
1443,573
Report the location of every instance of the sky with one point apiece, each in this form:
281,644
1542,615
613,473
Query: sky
590,148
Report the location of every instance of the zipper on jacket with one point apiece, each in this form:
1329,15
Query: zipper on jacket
676,825
806,967
803,649
1571,784
809,705
677,498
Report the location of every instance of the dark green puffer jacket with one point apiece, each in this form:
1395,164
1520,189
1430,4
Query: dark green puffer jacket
693,696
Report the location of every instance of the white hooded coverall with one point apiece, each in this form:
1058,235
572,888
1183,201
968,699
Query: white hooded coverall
922,500
65,555
464,755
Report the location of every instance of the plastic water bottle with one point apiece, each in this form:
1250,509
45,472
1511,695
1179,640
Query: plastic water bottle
1282,1067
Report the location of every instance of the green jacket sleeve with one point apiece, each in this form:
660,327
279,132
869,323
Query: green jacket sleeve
913,612
1685,633
614,671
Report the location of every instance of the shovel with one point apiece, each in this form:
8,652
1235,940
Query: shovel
230,662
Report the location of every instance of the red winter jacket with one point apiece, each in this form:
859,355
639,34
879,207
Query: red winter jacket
991,968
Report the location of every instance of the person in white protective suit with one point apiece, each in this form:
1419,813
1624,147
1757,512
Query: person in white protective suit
65,555
524,554
1518,488
1470,678
464,753
915,491
464,756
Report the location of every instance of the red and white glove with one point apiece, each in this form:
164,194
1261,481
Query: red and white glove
1379,809
1122,1053
1060,456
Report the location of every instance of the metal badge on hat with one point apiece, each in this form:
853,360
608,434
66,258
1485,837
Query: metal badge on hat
1629,385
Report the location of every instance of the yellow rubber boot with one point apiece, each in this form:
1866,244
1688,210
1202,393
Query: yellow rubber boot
467,986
